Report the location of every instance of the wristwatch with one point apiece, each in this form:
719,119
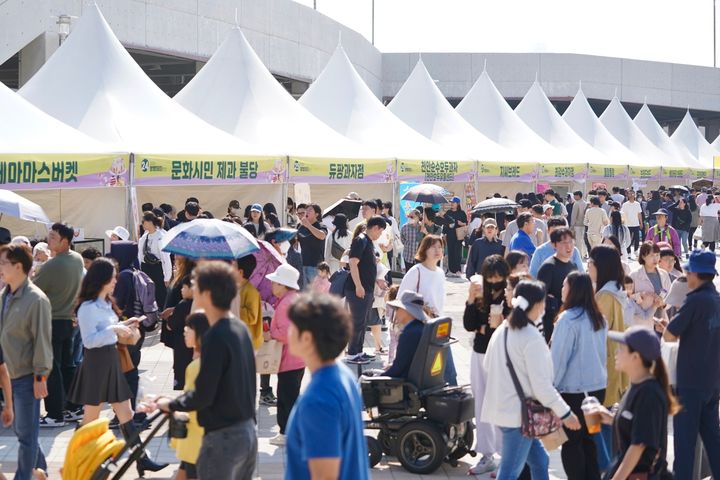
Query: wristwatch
40,378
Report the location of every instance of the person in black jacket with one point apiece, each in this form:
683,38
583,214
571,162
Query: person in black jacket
454,219
681,220
485,309
483,247
409,312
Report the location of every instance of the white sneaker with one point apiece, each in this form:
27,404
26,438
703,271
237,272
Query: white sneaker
47,422
278,440
485,465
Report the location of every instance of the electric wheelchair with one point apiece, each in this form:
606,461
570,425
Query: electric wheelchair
422,421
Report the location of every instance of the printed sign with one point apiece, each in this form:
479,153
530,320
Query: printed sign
214,169
437,171
607,172
521,172
560,171
30,172
342,171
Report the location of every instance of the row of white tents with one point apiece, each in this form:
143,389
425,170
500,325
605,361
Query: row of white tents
90,117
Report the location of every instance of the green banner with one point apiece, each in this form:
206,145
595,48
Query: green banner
560,171
523,172
607,172
436,171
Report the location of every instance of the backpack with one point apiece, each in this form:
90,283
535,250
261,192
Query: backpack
145,295
338,281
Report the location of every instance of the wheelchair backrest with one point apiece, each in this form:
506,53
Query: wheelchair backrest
428,364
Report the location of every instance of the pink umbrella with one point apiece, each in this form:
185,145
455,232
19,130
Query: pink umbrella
268,259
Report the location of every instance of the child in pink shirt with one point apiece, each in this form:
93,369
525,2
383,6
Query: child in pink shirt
321,284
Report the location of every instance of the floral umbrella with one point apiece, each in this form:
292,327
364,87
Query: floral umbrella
268,259
209,239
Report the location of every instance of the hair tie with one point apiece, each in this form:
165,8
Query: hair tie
520,302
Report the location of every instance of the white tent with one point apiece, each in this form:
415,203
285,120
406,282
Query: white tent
687,137
582,119
422,106
92,83
647,124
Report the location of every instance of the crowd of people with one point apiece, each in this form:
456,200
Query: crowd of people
571,302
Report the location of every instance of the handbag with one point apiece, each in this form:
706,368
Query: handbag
336,250
268,357
149,257
461,232
126,363
537,420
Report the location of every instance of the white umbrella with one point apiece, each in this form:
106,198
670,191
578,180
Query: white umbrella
16,206
209,239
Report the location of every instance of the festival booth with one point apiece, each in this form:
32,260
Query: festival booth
58,168
93,84
487,111
422,106
662,159
688,138
340,98
236,93
571,174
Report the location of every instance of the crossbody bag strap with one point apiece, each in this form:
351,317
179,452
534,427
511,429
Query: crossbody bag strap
513,375
417,287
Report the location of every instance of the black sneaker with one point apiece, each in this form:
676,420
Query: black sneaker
73,415
114,423
47,422
268,400
367,357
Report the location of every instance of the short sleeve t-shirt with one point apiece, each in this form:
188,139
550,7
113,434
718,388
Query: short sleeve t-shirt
326,422
313,249
710,210
363,249
642,419
631,210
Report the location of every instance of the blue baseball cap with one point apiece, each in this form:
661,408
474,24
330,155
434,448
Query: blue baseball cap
455,200
641,339
256,207
701,261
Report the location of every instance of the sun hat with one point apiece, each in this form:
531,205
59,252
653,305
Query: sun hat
256,207
121,232
547,206
41,247
411,302
641,339
662,211
701,261
20,240
285,275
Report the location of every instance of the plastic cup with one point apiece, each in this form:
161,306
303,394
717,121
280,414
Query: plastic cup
593,420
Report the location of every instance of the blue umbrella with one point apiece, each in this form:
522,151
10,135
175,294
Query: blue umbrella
426,193
209,239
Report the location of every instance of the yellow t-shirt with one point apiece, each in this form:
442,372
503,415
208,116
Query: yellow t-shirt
188,449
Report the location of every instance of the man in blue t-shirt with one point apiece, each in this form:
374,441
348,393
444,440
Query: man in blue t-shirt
325,432
523,239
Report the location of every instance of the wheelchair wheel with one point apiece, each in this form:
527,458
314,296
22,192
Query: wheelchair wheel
420,447
386,443
374,450
465,444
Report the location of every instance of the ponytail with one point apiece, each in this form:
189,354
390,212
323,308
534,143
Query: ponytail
526,295
660,373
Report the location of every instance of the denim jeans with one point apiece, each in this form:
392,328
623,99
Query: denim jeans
309,273
699,415
684,235
516,450
229,453
603,442
27,428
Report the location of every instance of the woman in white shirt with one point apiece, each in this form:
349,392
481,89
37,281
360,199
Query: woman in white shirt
709,222
531,360
154,261
340,236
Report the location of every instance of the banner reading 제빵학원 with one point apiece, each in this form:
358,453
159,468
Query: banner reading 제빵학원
436,171
41,171
319,171
155,170
522,172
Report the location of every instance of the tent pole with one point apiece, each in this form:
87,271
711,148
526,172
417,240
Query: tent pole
285,191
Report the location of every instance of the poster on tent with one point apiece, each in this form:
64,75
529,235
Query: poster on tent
562,171
432,171
34,172
159,170
322,171
507,172
406,205
677,174
642,175
696,174
608,173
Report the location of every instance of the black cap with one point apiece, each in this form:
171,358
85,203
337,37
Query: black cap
525,203
5,236
641,339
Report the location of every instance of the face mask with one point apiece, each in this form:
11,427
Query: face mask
497,285
284,247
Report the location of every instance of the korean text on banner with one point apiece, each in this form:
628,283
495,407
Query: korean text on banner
607,172
437,171
33,172
675,173
560,171
406,205
698,173
645,173
521,172
321,171
158,170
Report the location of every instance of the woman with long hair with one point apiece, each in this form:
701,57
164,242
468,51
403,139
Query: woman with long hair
579,354
339,239
153,261
454,219
640,423
271,216
485,309
681,221
619,231
613,241
651,279
257,225
518,343
183,268
100,379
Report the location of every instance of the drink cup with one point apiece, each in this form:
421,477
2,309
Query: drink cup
593,420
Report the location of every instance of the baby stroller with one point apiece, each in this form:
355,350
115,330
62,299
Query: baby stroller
95,453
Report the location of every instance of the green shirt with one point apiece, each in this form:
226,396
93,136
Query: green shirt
557,208
60,279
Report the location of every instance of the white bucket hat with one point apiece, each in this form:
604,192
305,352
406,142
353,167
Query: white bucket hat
285,275
121,232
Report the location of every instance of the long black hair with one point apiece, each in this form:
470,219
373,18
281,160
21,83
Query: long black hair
608,265
341,226
581,295
532,291
659,371
102,270
616,218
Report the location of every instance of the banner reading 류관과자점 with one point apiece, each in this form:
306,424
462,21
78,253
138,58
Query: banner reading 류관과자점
157,170
437,170
319,171
607,172
562,171
41,171
521,172
645,173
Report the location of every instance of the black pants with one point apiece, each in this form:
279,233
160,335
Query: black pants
691,238
133,376
634,239
288,390
454,247
155,272
408,265
579,453
710,245
182,356
265,387
58,383
360,311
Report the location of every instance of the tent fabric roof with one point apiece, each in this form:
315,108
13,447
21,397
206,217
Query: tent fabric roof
92,83
25,128
341,99
648,125
582,119
687,137
236,93
422,106
485,108
539,114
